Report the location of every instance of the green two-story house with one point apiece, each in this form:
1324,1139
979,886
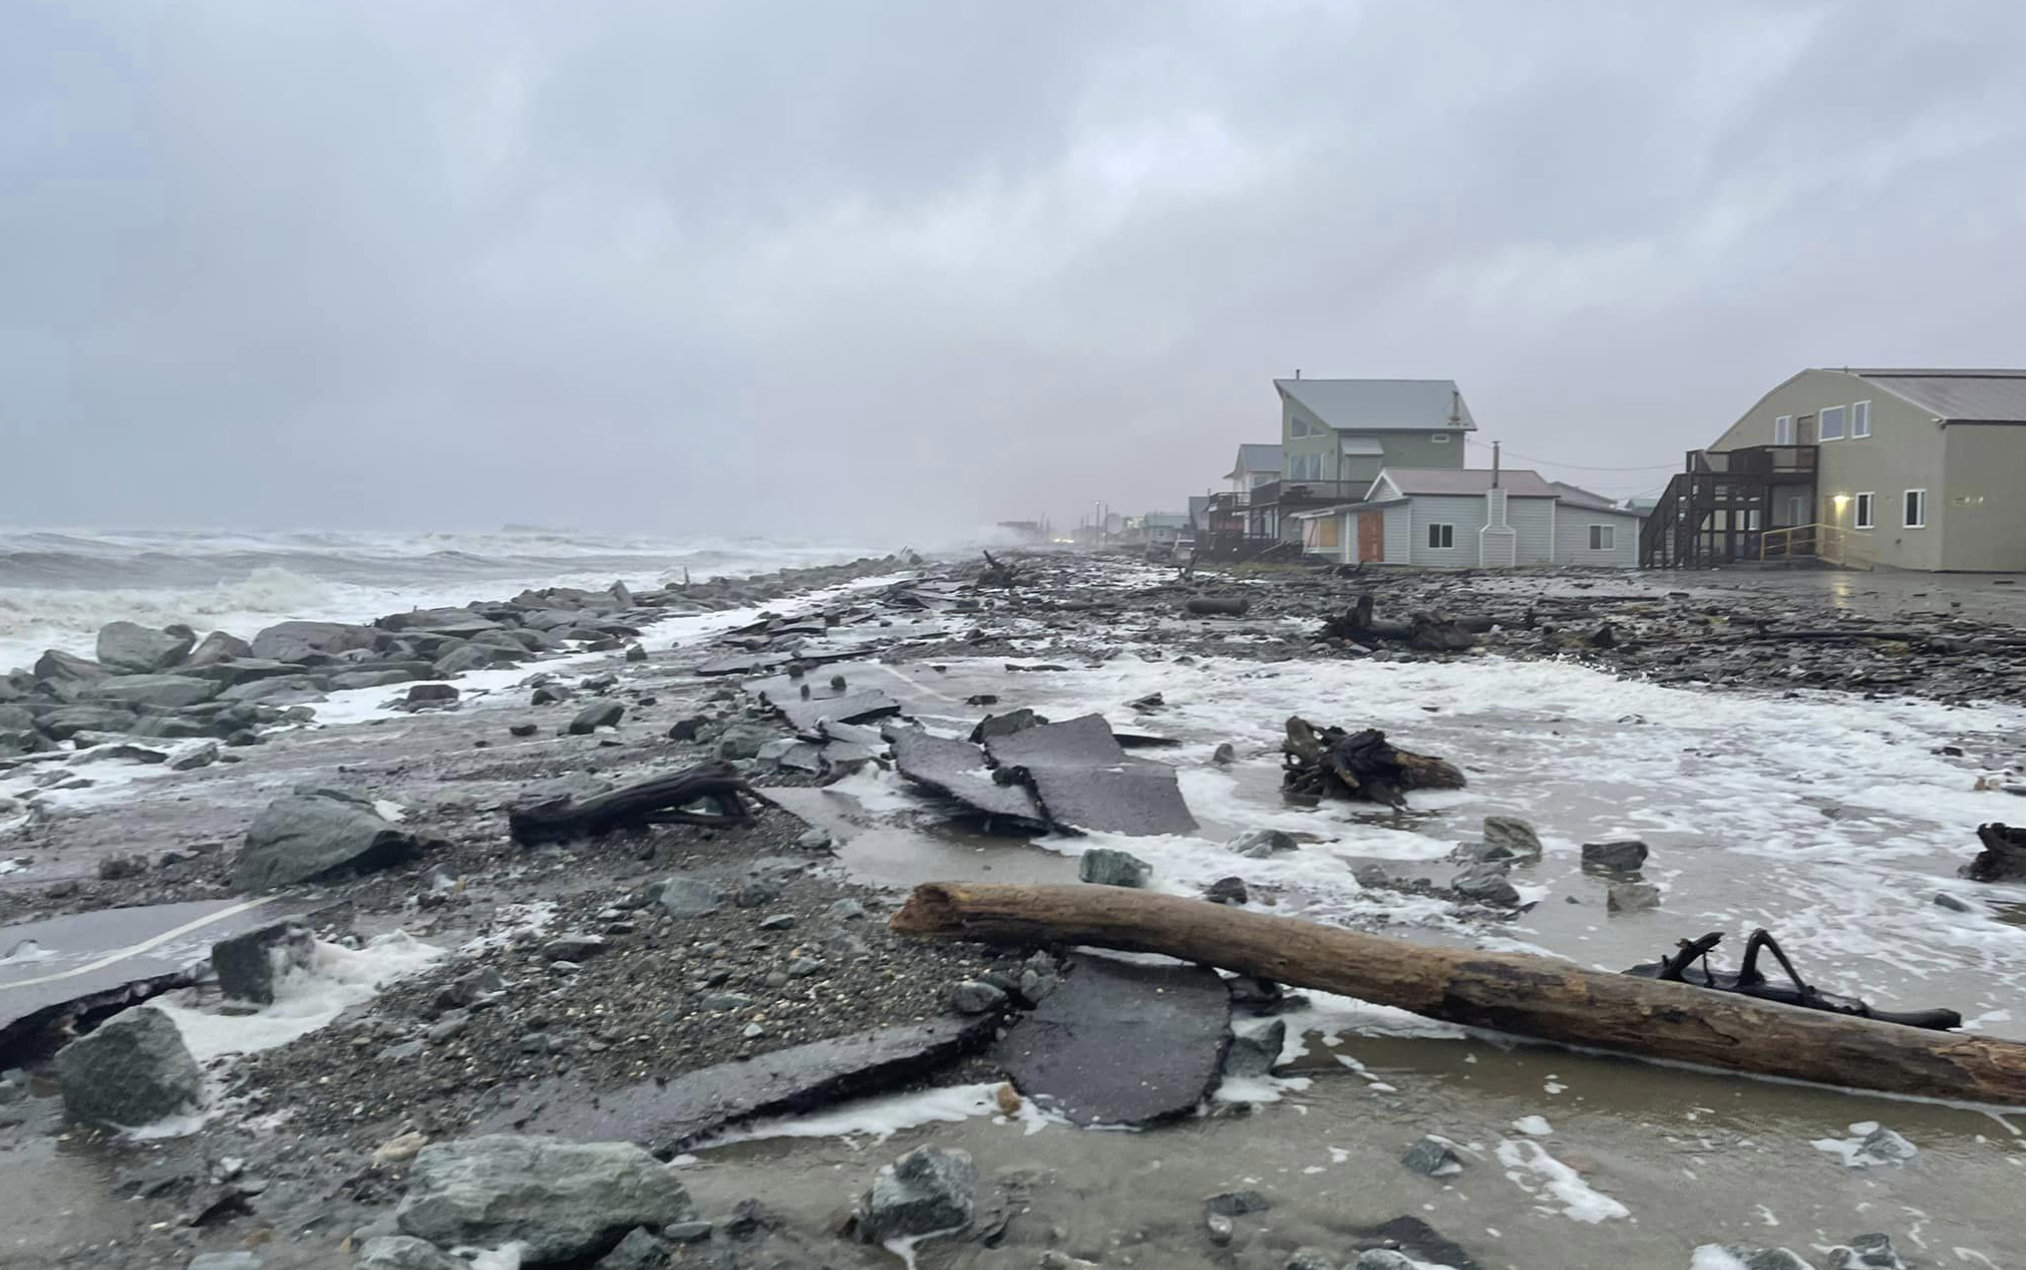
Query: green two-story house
1337,435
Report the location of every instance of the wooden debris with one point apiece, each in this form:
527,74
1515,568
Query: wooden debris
1362,765
1218,605
1538,997
1428,631
999,573
2003,858
657,801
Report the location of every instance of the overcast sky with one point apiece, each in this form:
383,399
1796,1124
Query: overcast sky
913,267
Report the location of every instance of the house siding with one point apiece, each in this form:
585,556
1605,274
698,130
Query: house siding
1572,537
1533,521
1465,511
1399,534
1986,515
1402,449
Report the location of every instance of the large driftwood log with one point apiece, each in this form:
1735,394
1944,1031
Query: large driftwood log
1505,992
1218,605
1334,763
657,801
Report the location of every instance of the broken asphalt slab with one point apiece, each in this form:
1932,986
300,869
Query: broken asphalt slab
1084,780
91,962
957,769
668,1116
1122,1044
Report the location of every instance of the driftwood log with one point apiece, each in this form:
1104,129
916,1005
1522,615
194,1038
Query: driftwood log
999,573
1528,996
659,801
2003,858
1429,632
1218,605
1334,763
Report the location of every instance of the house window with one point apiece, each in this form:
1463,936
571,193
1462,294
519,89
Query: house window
1860,419
1440,438
1783,430
1297,426
1603,537
1832,423
1866,511
1441,536
1914,513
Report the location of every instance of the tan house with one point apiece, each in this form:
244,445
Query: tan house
1910,469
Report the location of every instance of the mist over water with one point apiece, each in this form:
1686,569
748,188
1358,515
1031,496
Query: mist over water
57,587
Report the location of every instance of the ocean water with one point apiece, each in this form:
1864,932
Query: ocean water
57,587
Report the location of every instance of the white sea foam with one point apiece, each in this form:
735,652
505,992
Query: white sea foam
880,1118
1529,1167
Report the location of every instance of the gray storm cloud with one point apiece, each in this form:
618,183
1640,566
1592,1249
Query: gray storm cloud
910,268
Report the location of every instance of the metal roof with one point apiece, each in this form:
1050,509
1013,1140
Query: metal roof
1382,405
1517,482
1577,496
1963,396
1256,458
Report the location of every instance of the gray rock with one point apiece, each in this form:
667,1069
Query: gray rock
758,892
237,1260
1867,1252
1310,1259
640,1250
574,947
218,647
1237,1203
599,714
311,641
563,1200
133,1070
779,921
741,741
1767,1258
1631,897
384,677
1944,900
1224,755
162,692
1625,855
55,666
1261,844
975,997
135,649
1433,1157
312,833
925,1192
687,1232
190,758
1383,1259
1257,1053
405,1252
1227,891
1486,884
726,1002
1883,1146
66,722
845,910
1220,1229
1514,834
115,867
1104,866
422,693
815,842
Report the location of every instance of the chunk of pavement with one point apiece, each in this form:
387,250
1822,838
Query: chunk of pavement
132,1070
1104,866
672,1115
684,895
1883,1146
1227,891
957,769
973,996
1262,844
925,1192
1624,855
851,707
1515,835
1174,1020
640,1250
315,832
1310,1259
238,1259
1417,1240
405,1252
1433,1157
561,1200
599,714
1084,779
1867,1252
136,649
1256,1053
1237,1203
1631,897
1486,884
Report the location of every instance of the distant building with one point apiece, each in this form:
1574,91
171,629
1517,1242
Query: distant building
1911,469
1459,517
1337,435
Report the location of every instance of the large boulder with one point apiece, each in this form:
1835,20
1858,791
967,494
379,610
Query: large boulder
133,1070
313,832
137,649
405,1252
311,641
216,647
163,692
562,1201
925,1192
65,722
57,666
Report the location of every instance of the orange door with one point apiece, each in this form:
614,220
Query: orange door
1372,536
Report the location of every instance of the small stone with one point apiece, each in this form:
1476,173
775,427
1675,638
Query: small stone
1220,1228
601,714
779,921
757,892
925,1192
753,1032
1311,1259
202,754
1237,1203
1035,986
1631,897
1224,755
726,1002
974,997
397,1149
815,842
114,868
1433,1157
804,967
421,694
1262,844
1104,866
743,742
845,910
1486,884
635,652
573,947
1883,1146
1230,890
1944,900
1383,1259
1625,855
1514,834
1867,1252
1258,1053
521,729
240,1260
685,896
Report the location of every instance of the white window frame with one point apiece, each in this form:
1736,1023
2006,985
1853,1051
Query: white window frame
1822,423
1297,426
1865,514
1440,438
1441,529
1783,430
1860,420
1922,523
1603,536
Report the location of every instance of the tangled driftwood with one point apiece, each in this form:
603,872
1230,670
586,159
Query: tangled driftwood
658,801
1334,763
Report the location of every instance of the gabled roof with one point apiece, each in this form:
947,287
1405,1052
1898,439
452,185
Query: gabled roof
1517,482
1257,458
1382,405
1957,396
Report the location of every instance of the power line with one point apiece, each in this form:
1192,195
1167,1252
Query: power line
1581,467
